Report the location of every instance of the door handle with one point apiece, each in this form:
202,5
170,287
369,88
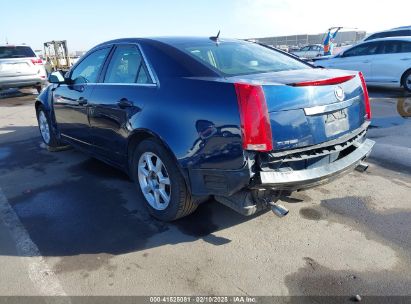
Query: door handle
405,59
82,101
366,61
124,103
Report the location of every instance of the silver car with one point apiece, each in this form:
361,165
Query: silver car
21,67
310,51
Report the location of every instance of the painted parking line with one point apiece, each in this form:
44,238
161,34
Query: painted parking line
44,279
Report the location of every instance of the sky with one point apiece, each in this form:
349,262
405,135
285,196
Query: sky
88,22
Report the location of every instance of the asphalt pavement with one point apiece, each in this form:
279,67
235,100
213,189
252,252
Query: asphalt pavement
71,225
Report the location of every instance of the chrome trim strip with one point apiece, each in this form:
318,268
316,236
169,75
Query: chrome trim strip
304,178
127,84
330,107
150,70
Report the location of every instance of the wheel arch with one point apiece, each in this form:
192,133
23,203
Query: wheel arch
44,99
137,136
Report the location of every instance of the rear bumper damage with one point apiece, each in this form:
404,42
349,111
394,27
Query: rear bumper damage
276,175
306,178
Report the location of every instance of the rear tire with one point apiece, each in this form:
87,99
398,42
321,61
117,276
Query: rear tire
160,183
406,81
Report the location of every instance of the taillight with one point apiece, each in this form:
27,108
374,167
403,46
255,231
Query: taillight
328,81
36,61
255,122
366,97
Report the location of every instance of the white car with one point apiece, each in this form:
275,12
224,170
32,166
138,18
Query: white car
20,67
384,62
310,51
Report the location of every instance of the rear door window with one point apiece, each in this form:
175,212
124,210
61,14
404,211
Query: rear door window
405,47
394,47
127,66
7,52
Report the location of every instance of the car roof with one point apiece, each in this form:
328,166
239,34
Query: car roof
177,40
393,30
403,38
407,27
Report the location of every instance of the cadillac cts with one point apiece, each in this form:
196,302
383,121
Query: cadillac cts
194,118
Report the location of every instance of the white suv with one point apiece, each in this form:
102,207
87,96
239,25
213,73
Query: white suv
21,67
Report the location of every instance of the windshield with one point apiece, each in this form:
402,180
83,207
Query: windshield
16,52
241,58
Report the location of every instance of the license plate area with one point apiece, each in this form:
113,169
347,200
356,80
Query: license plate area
14,67
336,122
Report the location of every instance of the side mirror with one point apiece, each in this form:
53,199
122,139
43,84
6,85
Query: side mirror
56,77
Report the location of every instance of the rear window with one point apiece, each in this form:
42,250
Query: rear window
16,52
241,58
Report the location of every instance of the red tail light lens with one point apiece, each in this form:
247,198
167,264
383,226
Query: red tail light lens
255,122
36,61
329,81
366,97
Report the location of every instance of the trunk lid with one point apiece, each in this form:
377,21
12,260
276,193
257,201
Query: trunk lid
308,115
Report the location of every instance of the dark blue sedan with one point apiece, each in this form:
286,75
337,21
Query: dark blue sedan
194,118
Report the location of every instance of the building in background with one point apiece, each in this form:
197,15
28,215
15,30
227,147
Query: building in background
297,41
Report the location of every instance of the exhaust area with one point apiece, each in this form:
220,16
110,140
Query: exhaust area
362,167
279,210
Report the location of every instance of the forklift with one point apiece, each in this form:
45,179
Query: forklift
56,56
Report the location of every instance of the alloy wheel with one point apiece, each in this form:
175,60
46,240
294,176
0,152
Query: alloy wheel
44,127
154,181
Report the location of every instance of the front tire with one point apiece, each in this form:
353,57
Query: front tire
406,82
46,131
160,183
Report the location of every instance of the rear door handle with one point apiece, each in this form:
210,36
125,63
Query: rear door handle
124,103
405,59
366,61
82,101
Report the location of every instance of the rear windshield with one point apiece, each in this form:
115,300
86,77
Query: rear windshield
241,58
16,52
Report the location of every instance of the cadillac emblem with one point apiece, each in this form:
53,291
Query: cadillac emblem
339,93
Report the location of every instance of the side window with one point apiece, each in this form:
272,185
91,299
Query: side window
88,69
390,47
362,50
405,47
306,48
127,66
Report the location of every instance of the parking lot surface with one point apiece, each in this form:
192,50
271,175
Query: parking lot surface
70,225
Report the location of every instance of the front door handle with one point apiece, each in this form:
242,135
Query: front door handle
82,101
124,103
404,59
366,61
